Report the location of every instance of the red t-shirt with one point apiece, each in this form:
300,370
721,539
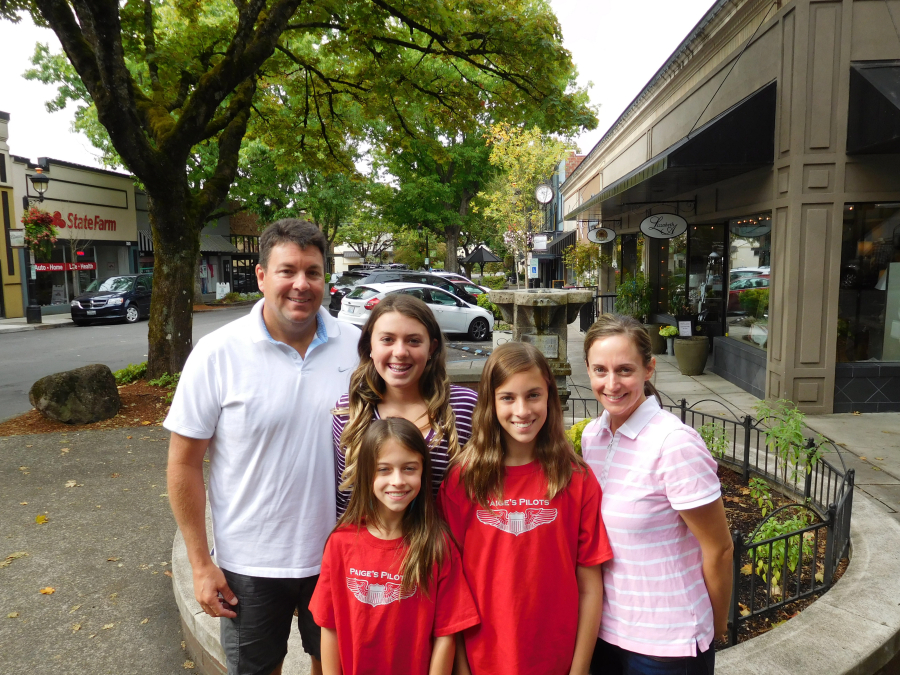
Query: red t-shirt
378,629
520,559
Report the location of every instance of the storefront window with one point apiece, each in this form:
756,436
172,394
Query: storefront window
705,272
750,251
673,275
869,299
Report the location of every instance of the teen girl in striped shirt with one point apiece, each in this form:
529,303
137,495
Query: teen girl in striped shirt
667,589
402,373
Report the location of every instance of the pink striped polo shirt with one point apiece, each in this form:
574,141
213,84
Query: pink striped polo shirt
654,598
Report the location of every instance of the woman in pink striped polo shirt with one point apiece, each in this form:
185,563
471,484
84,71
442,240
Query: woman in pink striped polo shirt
667,589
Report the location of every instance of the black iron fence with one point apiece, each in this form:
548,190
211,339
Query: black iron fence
795,551
603,303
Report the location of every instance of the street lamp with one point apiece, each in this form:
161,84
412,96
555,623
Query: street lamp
33,311
40,182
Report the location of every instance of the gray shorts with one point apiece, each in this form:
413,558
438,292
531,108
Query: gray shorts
255,642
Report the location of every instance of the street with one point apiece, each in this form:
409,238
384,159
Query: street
31,355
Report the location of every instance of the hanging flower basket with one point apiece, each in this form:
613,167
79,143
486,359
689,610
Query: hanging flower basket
40,235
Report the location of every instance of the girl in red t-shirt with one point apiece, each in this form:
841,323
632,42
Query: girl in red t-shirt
524,509
391,593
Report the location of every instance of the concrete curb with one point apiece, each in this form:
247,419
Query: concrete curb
854,629
201,631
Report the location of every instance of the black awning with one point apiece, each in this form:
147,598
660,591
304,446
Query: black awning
561,242
737,141
873,124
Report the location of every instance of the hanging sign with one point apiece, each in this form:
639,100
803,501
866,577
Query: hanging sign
663,226
540,242
601,235
17,238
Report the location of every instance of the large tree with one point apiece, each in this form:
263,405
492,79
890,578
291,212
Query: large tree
175,83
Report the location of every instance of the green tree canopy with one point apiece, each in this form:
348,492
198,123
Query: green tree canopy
177,84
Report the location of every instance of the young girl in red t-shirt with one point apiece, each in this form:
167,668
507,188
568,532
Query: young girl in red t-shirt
391,593
525,511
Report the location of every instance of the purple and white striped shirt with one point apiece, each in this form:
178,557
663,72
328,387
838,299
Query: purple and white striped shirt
655,601
462,402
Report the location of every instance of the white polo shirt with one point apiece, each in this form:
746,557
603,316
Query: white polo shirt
267,413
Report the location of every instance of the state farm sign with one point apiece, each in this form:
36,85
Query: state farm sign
75,221
64,267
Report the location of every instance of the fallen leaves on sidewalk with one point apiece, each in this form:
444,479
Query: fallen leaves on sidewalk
40,520
76,627
107,626
189,665
49,590
12,556
12,615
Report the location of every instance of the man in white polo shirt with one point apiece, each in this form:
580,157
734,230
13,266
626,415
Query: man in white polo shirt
257,394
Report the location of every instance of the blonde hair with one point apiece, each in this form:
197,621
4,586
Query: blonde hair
367,387
425,535
481,461
609,325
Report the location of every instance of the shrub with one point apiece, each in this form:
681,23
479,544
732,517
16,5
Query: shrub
716,443
233,296
167,381
759,491
574,434
755,301
131,373
485,303
495,283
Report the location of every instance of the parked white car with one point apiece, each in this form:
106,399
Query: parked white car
453,315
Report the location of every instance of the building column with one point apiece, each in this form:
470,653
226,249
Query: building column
810,144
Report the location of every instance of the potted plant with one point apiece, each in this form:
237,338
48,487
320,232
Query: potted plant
669,333
691,353
40,235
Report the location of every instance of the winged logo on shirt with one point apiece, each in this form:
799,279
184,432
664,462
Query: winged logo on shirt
377,594
516,523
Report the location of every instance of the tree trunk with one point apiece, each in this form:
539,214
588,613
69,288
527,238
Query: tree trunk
451,232
175,261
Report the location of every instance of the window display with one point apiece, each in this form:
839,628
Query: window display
869,298
747,304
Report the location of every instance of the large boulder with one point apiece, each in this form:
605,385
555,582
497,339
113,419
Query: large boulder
79,396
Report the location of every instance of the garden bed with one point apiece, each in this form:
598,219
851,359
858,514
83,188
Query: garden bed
744,514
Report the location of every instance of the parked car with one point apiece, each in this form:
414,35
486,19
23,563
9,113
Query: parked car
744,272
350,280
453,315
740,286
460,279
122,297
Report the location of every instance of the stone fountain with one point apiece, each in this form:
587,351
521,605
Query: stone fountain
540,316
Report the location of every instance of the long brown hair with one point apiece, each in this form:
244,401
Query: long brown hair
367,387
609,325
481,461
425,535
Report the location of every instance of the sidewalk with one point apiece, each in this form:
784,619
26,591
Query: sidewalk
870,441
49,321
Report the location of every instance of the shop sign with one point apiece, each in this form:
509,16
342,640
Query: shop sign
540,242
663,226
601,235
77,221
17,238
64,267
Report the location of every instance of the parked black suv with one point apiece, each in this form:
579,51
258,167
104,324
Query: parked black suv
348,280
122,297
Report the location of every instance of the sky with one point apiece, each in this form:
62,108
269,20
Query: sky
617,46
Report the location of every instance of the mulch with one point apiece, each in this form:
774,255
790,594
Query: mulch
142,405
744,515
